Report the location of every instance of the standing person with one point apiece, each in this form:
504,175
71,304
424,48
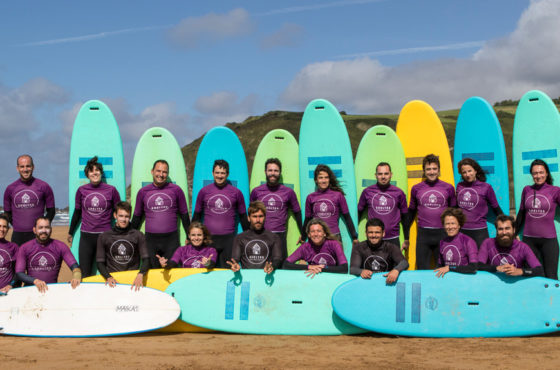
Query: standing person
429,199
160,203
375,255
328,203
198,253
256,248
218,206
26,199
536,216
39,260
506,254
122,249
475,196
457,251
8,254
278,199
387,203
94,206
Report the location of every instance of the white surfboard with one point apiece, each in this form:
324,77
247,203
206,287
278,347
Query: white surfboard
90,310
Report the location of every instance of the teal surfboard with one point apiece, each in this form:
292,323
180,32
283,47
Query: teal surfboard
158,143
280,144
221,143
323,139
488,149
252,302
457,305
536,133
95,133
379,144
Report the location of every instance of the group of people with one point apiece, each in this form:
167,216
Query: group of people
451,226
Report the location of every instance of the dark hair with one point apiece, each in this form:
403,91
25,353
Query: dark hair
480,174
275,161
323,224
161,161
430,158
125,206
375,222
42,218
4,216
454,212
91,164
540,162
381,164
207,238
221,163
333,181
504,218
255,207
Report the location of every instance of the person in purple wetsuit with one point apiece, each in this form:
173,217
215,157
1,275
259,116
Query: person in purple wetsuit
536,217
8,254
328,203
161,203
429,199
322,253
376,255
506,254
26,199
387,203
219,206
278,199
198,253
94,207
475,196
38,261
457,251
122,249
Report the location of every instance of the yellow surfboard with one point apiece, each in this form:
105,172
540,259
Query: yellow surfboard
158,279
421,133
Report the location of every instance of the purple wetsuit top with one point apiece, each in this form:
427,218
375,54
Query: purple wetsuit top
386,205
328,254
277,200
327,205
430,200
518,255
474,198
96,203
43,261
457,251
220,206
161,206
189,256
27,201
8,254
539,204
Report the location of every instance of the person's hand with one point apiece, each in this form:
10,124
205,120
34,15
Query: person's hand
405,245
74,283
511,270
391,276
234,265
70,238
268,268
162,260
205,261
355,241
138,282
41,285
440,272
112,282
366,274
313,270
300,240
6,289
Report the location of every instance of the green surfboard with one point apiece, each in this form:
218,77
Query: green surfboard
95,133
282,145
158,143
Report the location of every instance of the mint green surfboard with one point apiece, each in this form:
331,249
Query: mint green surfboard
379,144
158,143
95,133
280,144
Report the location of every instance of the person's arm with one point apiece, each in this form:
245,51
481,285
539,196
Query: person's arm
467,269
305,222
197,217
276,252
49,203
362,206
350,226
236,249
452,197
135,222
185,221
183,209
405,222
145,265
244,221
76,217
356,261
50,213
102,268
339,269
138,212
297,216
486,267
9,215
519,221
287,265
22,276
497,210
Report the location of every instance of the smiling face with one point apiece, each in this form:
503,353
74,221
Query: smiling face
451,225
323,180
316,234
94,175
196,236
42,230
431,171
25,168
539,174
504,233
160,173
4,227
374,234
272,173
220,175
383,175
468,173
122,218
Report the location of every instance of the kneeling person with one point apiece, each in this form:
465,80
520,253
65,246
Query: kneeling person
198,253
121,248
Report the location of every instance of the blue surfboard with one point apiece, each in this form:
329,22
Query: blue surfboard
221,143
478,135
457,305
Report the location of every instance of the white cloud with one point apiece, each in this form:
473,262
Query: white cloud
288,35
225,106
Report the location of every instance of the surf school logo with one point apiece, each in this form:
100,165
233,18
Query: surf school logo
193,262
432,199
121,251
323,259
382,204
324,208
257,251
95,203
468,199
273,203
25,199
159,202
5,263
219,204
503,259
43,261
537,207
376,263
452,255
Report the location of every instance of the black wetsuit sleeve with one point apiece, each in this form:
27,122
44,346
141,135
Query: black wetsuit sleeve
519,221
102,268
401,266
356,262
244,221
76,217
197,217
136,221
293,266
468,269
9,214
22,276
305,222
339,269
185,221
170,265
498,211
405,221
74,266
350,226
535,271
363,213
486,267
145,265
277,253
50,213
411,215
297,216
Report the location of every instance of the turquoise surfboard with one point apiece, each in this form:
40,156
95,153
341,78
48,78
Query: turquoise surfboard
478,135
158,143
379,144
221,143
457,305
280,144
323,139
536,133
252,302
95,133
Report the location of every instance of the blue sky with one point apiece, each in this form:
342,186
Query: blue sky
189,66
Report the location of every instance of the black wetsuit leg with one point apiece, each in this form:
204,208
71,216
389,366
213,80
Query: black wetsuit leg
21,237
223,245
427,245
87,252
396,241
546,250
283,243
164,245
478,235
